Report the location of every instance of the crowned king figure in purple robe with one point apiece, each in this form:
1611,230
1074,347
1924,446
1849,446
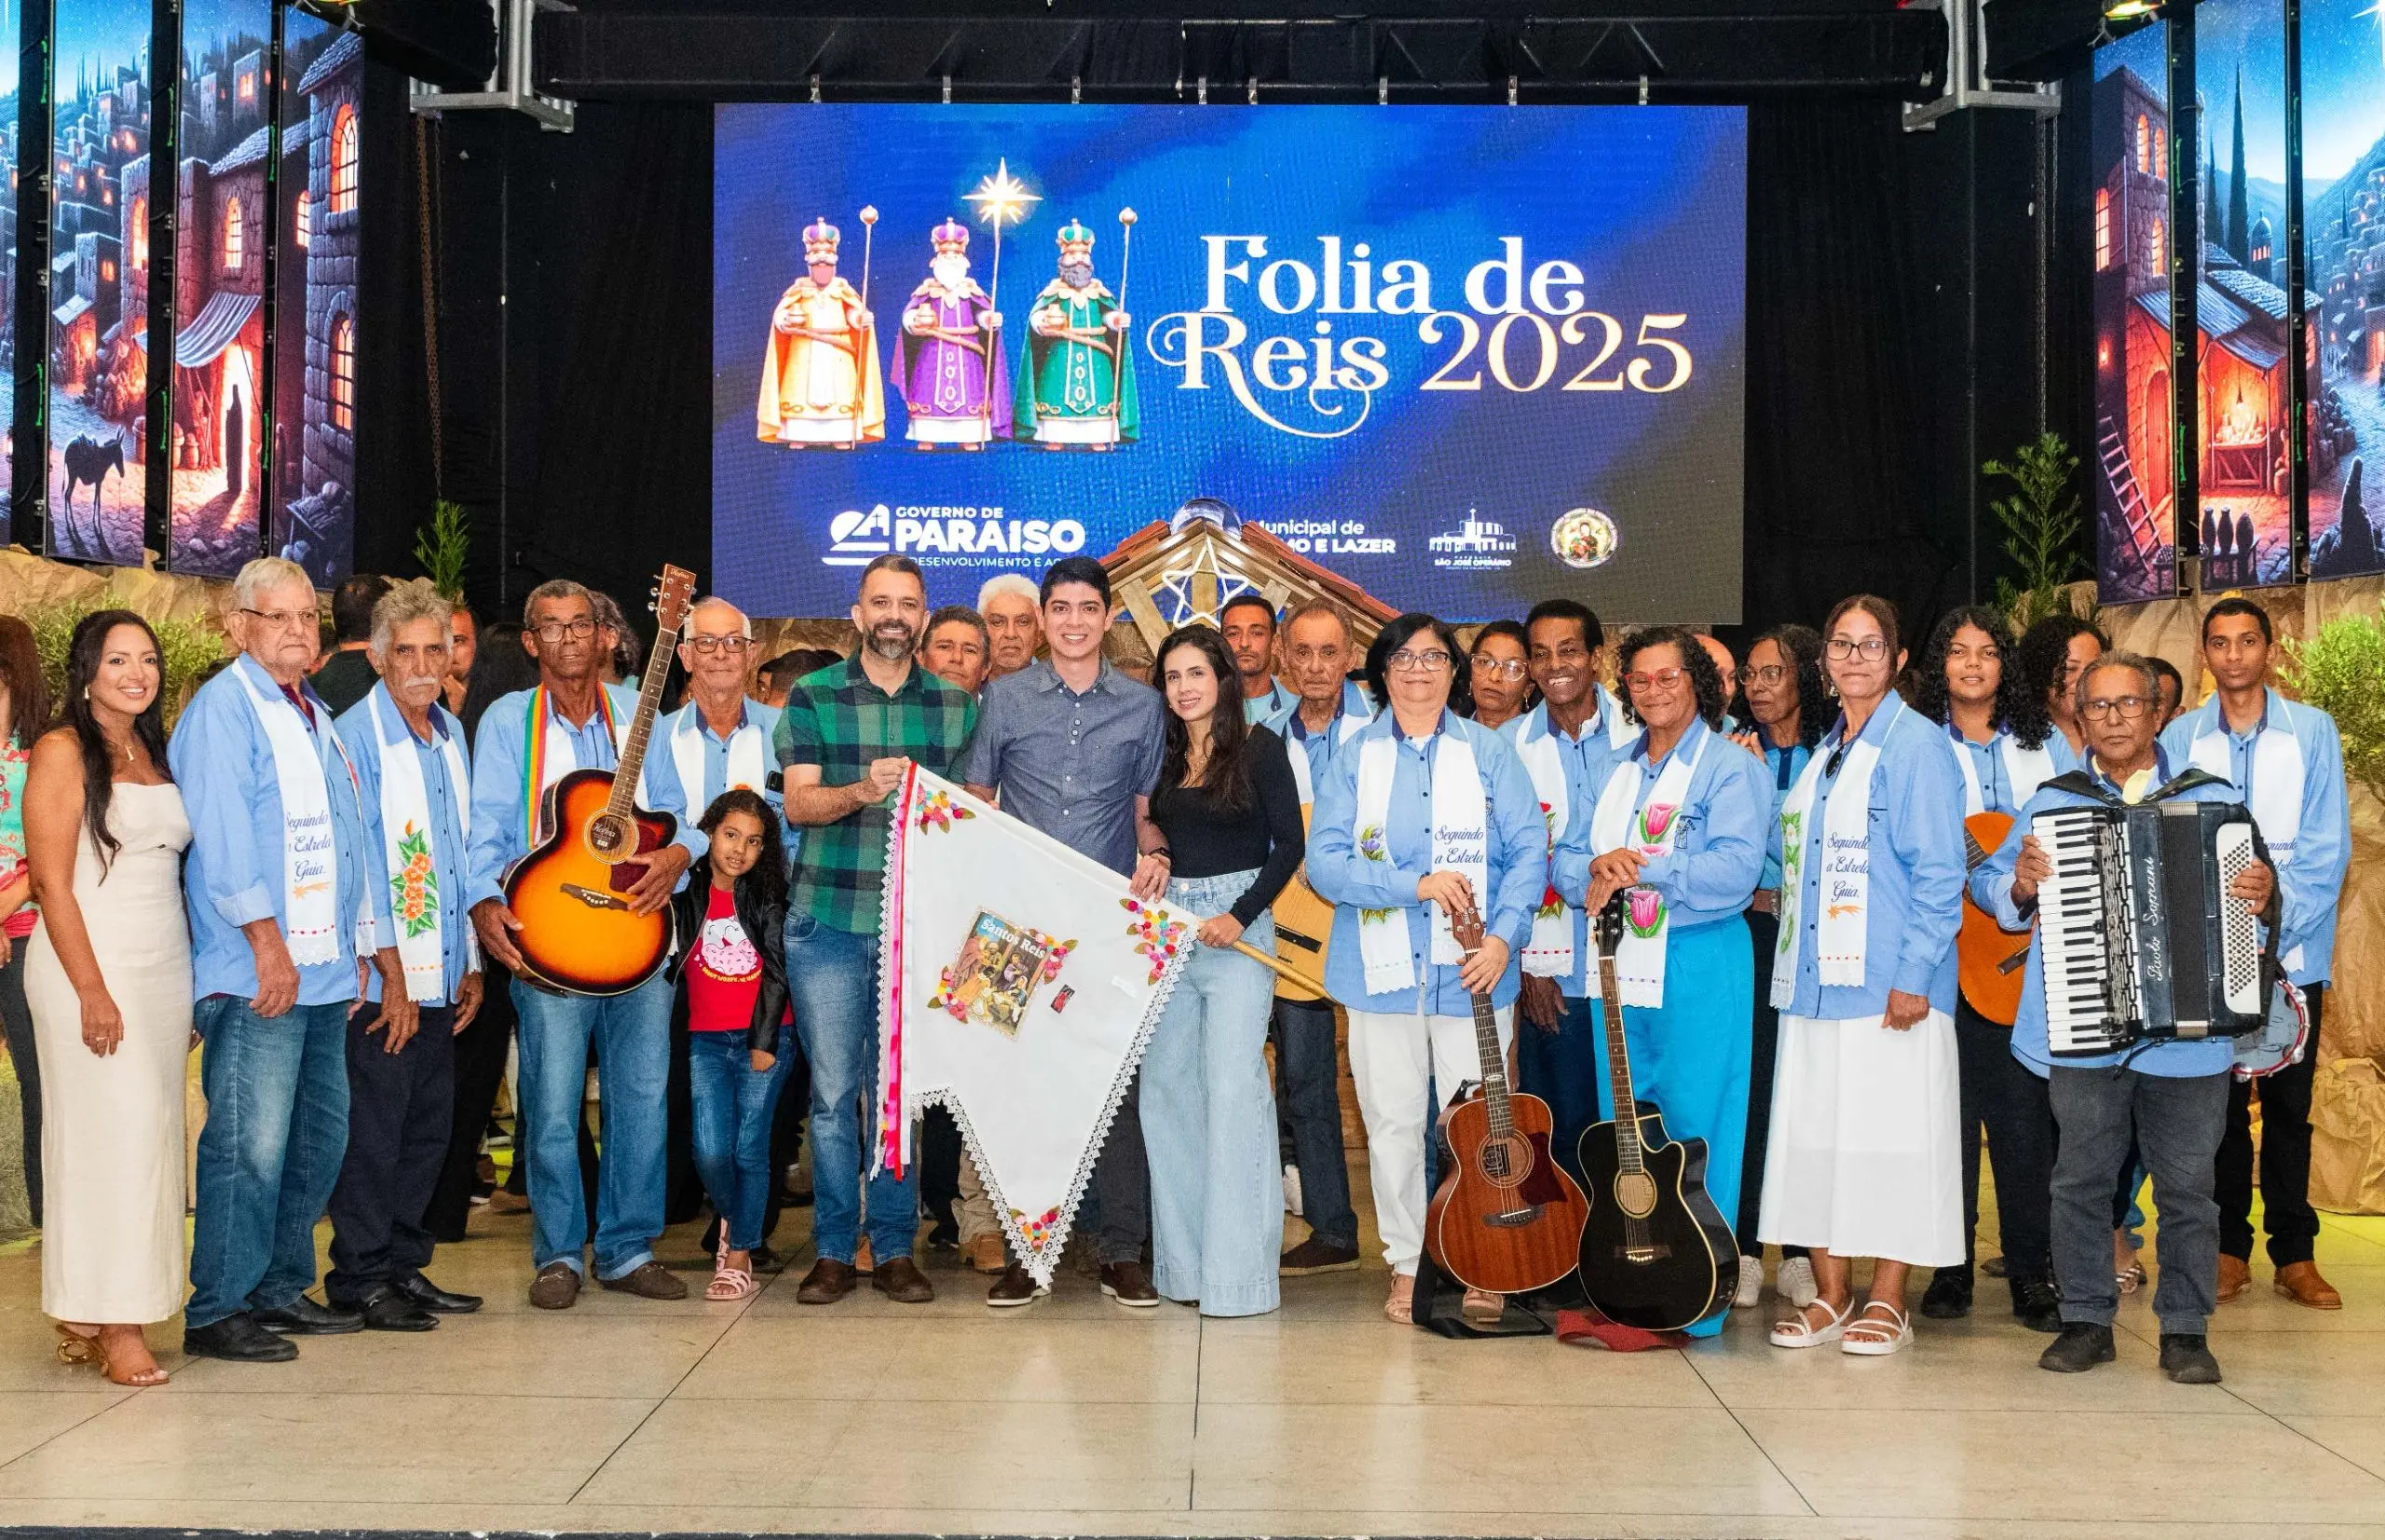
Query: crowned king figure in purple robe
949,366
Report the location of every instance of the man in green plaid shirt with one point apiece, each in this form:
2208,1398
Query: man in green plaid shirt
844,740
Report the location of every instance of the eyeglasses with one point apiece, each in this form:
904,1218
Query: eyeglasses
277,619
1510,668
1419,663
578,630
1770,674
707,645
1664,678
1870,647
2130,707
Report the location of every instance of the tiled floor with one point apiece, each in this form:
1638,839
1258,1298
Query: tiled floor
1078,1416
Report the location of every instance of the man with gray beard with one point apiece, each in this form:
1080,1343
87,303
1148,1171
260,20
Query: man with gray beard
847,736
1077,390
949,367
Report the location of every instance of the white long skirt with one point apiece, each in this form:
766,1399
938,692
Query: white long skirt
1863,1158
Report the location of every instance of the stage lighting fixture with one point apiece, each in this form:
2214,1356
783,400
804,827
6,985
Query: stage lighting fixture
2129,11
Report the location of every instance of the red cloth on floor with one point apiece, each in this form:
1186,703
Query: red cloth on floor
1586,1326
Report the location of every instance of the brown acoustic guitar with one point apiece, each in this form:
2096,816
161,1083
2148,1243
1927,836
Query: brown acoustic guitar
577,933
1507,1219
1989,959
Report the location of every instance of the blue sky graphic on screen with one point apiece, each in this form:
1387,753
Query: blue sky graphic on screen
1465,357
2343,221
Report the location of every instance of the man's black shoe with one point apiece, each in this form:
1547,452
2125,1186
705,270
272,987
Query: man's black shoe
2081,1346
236,1339
1949,1295
2188,1360
303,1317
427,1295
387,1310
2036,1305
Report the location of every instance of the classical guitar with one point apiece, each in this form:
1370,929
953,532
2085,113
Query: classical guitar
1506,1219
1656,1253
577,933
1303,928
1990,958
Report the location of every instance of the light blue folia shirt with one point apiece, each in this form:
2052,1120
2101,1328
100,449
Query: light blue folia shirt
663,760
1588,759
1259,710
1516,848
368,738
1711,872
1915,839
1995,788
500,826
2310,872
1991,888
233,875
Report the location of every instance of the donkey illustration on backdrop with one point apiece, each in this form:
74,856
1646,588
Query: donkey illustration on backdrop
89,460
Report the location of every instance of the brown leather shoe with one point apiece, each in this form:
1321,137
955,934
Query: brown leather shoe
899,1279
2300,1282
2235,1276
1127,1282
556,1286
648,1280
1313,1256
1017,1287
985,1254
828,1281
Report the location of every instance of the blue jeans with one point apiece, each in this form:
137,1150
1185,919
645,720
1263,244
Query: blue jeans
1208,1119
733,1109
1564,1069
632,1035
270,1154
832,978
1308,1069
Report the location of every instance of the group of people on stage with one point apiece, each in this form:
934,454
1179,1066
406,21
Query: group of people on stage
313,889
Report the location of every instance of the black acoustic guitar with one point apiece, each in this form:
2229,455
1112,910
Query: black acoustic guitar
1656,1253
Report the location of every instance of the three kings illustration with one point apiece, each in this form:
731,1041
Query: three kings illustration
819,373
1075,389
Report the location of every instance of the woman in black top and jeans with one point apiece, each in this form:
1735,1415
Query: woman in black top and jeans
1230,814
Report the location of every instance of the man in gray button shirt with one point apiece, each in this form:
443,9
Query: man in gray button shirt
1072,748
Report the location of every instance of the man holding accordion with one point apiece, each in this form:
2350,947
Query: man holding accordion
2168,1094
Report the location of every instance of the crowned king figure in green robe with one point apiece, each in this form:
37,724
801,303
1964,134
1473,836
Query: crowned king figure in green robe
1077,390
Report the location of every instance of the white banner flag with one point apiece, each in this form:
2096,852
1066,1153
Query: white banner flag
1019,983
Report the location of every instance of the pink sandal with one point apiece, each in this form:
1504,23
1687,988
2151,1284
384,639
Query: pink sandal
729,1284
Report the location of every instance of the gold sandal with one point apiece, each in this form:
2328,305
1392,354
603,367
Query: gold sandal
74,1349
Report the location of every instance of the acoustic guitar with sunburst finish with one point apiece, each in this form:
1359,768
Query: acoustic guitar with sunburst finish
571,891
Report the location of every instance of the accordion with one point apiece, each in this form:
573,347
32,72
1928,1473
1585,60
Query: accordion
2139,935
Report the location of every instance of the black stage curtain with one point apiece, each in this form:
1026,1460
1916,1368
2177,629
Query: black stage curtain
1893,344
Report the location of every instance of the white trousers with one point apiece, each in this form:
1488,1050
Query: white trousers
1391,1058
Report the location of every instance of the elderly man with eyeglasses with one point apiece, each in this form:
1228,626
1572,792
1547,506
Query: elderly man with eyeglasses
289,901
579,723
2169,1097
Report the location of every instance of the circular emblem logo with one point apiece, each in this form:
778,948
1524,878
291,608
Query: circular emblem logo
1584,538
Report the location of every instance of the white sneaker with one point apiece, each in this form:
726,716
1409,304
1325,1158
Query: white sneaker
1750,1282
1292,1190
1794,1282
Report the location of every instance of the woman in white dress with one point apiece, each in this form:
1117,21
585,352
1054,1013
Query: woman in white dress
108,977
1862,1159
